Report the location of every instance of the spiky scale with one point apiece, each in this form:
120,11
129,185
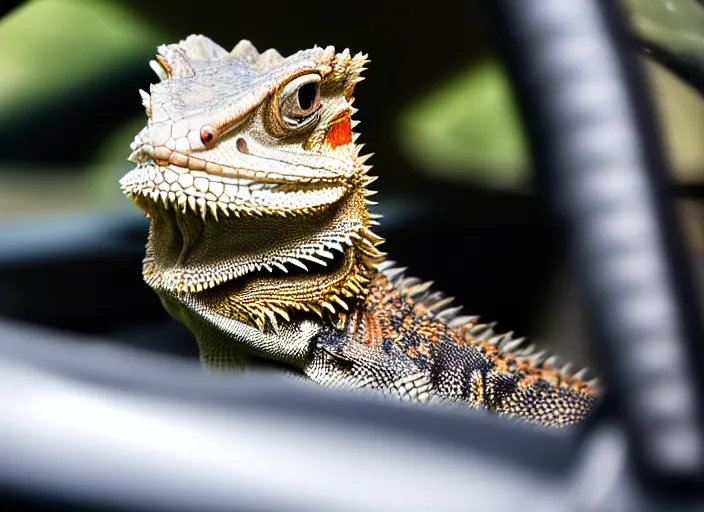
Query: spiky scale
537,358
393,274
419,289
192,203
298,263
281,312
372,237
213,210
337,246
581,374
479,329
313,259
408,282
527,350
272,319
552,361
356,290
341,302
317,309
512,345
449,313
362,159
441,304
461,321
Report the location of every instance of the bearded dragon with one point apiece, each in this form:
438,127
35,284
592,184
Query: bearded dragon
261,240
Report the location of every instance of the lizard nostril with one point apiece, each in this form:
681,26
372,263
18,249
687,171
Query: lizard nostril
209,135
242,146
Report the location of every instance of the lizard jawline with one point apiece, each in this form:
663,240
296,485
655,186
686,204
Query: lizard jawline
229,266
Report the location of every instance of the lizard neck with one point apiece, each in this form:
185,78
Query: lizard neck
240,279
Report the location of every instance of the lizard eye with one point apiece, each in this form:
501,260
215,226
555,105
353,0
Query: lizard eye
299,102
209,135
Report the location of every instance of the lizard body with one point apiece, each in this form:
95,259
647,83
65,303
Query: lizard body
262,243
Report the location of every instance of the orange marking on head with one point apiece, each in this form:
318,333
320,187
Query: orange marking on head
340,132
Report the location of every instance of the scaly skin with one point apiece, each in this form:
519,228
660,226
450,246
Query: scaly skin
261,240
401,343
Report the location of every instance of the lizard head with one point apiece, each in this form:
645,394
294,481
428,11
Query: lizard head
249,172
247,133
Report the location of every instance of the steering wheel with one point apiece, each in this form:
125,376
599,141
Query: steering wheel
101,427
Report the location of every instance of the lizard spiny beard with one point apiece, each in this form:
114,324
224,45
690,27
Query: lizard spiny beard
259,269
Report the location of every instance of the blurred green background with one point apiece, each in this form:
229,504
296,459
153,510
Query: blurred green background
462,125
436,109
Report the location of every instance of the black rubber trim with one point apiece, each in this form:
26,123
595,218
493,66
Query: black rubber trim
596,153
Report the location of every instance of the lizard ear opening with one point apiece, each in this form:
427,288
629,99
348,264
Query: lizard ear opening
298,105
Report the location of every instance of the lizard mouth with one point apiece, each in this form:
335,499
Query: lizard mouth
208,194
164,157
